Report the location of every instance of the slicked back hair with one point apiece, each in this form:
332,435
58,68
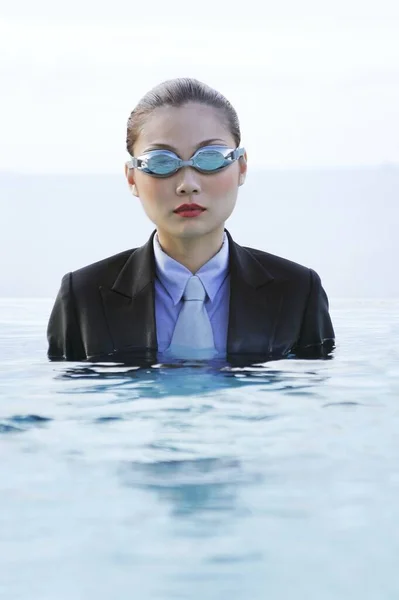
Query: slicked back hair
178,92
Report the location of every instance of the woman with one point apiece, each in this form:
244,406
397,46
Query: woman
190,291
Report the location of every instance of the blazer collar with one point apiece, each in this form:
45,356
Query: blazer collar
253,310
137,272
245,268
129,307
255,306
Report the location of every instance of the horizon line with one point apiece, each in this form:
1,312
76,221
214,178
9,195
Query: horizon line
386,165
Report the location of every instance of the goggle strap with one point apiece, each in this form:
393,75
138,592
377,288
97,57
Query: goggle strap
237,153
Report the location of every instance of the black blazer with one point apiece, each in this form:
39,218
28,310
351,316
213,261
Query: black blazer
277,308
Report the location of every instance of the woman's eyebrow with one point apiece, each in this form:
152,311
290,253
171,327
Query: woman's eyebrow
162,146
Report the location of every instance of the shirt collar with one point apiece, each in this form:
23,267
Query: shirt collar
174,276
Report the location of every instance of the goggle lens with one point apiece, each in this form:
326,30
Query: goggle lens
209,160
162,164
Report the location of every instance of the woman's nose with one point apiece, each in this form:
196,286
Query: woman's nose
188,182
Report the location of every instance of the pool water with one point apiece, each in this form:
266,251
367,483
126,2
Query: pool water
273,481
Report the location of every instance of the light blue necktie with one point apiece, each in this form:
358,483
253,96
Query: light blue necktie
193,335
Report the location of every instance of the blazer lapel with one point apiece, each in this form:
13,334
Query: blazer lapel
255,304
254,308
130,304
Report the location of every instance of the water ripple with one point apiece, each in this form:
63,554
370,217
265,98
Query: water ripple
19,423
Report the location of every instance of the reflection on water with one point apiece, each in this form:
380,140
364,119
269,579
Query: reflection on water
184,379
203,485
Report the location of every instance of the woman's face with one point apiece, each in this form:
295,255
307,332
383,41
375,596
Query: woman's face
183,130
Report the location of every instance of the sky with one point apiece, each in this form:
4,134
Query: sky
315,84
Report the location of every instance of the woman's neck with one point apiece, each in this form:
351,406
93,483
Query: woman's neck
194,252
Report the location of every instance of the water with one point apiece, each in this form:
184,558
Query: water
277,481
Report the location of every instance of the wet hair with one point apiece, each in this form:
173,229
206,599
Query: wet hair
177,92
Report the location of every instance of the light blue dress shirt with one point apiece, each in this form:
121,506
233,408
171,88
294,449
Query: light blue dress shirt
170,283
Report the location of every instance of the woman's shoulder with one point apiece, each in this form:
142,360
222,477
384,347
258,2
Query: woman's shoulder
101,272
278,266
105,263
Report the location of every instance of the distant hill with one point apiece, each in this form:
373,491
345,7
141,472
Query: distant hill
341,222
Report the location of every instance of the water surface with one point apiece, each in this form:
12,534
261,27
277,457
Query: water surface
274,481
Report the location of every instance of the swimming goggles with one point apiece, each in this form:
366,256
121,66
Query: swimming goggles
163,163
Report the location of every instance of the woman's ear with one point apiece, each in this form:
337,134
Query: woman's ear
129,173
242,162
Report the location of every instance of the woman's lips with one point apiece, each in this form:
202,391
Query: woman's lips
189,210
